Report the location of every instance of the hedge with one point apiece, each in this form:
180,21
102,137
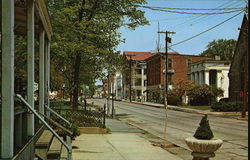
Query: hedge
226,106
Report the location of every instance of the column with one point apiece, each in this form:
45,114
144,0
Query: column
196,77
218,79
200,78
30,63
206,77
7,115
41,72
142,82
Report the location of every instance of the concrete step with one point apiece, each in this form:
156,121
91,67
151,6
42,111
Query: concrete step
64,153
54,149
44,140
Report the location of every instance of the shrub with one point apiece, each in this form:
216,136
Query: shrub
226,106
203,94
173,99
204,131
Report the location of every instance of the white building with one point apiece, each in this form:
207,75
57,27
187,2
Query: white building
211,72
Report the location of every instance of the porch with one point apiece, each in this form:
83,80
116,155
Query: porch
23,121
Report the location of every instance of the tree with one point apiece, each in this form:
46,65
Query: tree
221,47
86,35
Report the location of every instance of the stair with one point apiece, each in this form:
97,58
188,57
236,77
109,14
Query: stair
48,147
42,145
55,148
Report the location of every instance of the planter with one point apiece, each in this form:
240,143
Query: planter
203,149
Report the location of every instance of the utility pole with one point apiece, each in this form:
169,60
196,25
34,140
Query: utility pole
130,75
167,39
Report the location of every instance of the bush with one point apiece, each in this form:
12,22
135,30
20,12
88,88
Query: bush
226,106
173,99
204,131
203,94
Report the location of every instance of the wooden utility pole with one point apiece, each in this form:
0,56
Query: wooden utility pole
168,39
130,75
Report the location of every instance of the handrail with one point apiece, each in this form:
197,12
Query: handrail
46,124
58,115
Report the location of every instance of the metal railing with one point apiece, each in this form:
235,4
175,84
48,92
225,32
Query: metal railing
58,115
68,147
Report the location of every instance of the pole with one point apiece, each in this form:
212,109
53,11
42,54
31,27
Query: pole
108,99
167,39
130,75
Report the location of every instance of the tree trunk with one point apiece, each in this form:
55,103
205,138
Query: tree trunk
76,81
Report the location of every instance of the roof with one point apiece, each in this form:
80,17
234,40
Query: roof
137,56
162,53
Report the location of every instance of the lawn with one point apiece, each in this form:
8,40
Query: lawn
197,107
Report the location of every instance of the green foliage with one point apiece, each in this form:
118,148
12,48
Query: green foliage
204,131
226,106
221,47
85,39
203,94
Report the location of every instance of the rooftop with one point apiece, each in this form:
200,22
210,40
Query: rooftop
137,56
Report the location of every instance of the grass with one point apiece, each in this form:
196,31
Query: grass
197,107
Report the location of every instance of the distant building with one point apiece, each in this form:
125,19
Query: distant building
136,77
211,72
177,70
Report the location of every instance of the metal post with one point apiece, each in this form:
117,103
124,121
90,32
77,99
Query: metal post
108,99
7,114
112,105
30,65
104,115
41,72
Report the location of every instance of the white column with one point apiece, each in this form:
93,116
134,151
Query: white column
200,77
206,77
7,115
196,77
41,72
30,63
218,79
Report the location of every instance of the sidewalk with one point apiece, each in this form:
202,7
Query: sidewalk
123,143
189,110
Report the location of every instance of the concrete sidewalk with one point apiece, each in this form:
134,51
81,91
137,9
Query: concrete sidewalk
123,143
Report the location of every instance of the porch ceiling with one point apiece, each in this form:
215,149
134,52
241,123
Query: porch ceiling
42,20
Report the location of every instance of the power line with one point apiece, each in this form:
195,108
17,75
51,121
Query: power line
196,13
195,9
227,4
205,30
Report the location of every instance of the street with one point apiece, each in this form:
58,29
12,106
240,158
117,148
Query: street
180,125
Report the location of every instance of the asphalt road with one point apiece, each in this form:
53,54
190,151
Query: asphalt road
179,125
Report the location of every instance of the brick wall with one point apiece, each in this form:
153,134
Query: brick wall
156,63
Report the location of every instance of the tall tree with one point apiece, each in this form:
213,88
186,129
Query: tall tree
221,47
86,35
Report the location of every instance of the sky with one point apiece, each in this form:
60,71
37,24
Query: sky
185,25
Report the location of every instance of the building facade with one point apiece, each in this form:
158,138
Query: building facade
135,75
177,70
211,72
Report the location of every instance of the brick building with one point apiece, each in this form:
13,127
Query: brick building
138,75
177,70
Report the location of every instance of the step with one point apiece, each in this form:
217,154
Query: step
64,154
54,149
44,140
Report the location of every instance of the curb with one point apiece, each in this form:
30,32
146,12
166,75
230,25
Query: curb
195,111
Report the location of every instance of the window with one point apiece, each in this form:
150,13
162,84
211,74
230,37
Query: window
138,82
189,62
170,63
